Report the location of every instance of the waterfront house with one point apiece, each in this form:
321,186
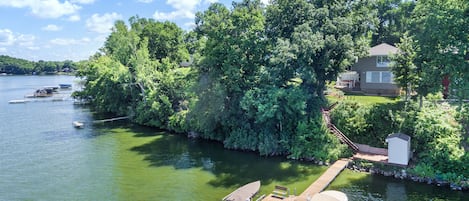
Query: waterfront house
371,74
399,151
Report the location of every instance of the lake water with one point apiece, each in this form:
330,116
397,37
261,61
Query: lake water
43,157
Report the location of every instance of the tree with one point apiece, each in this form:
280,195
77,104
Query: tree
319,38
231,64
165,39
403,67
394,20
122,43
440,30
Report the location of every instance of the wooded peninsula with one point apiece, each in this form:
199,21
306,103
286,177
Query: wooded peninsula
255,77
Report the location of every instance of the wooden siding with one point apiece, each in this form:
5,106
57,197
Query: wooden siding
369,64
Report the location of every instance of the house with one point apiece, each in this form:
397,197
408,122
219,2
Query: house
371,74
399,151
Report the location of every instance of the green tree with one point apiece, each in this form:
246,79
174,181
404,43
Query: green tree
122,43
232,58
165,39
440,30
319,39
403,67
394,20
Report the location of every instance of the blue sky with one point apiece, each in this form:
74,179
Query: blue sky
57,30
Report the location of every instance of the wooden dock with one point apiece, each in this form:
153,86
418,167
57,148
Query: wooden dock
325,179
108,120
319,185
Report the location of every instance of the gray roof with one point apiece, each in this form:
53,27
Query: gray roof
382,49
399,135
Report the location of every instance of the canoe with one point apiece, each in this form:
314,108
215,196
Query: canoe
244,193
78,124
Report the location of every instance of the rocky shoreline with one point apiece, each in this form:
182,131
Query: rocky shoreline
402,173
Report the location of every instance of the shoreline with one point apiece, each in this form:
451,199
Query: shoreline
403,173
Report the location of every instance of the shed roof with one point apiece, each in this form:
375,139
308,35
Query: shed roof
400,136
382,49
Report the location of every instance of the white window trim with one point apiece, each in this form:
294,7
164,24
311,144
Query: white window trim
368,77
382,64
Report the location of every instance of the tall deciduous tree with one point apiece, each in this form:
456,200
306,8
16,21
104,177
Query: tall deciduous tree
442,36
232,59
320,39
394,20
403,67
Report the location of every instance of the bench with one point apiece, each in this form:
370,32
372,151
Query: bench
261,197
280,192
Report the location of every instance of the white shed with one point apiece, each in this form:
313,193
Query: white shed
398,148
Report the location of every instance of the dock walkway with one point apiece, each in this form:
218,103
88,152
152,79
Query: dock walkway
319,185
108,120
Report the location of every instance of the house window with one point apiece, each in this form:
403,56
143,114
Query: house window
386,77
379,77
382,61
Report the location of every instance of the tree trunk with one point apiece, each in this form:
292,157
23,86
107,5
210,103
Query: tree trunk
420,102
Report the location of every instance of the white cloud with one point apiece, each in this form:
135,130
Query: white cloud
25,40
189,25
44,8
211,1
74,18
265,2
33,48
83,1
6,37
145,1
183,9
3,49
102,23
69,41
51,27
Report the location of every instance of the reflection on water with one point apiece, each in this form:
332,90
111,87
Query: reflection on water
42,157
363,186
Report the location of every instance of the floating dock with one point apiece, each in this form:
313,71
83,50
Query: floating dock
17,101
109,120
317,186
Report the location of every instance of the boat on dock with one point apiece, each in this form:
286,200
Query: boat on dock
46,92
52,88
244,193
78,124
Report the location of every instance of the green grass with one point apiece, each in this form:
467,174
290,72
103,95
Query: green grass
364,99
370,100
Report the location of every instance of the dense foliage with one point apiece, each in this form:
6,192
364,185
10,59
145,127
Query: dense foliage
251,85
437,141
11,65
257,74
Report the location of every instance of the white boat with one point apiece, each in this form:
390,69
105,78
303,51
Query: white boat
244,193
78,124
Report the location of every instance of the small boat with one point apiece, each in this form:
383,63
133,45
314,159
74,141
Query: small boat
78,124
65,86
46,92
51,88
17,101
244,193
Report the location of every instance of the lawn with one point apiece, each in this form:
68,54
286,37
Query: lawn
364,99
370,100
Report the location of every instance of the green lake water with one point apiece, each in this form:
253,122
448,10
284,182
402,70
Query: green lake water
43,157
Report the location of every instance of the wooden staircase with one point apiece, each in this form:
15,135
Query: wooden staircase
344,139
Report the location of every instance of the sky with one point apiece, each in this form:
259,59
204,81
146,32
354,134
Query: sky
58,30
